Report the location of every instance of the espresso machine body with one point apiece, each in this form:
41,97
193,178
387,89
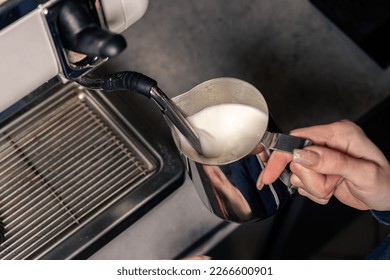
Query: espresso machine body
77,167
32,47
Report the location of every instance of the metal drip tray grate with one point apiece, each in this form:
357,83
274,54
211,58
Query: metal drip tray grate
62,164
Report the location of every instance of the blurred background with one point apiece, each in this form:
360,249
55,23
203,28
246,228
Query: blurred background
315,62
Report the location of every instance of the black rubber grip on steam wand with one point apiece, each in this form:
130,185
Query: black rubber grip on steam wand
129,80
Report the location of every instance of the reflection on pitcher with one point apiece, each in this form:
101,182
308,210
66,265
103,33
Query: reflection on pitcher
232,193
229,198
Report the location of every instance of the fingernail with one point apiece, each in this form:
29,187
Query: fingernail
259,183
305,157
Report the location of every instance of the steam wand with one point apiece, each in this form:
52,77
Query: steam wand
146,86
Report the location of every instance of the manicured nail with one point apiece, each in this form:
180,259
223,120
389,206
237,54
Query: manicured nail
259,183
305,157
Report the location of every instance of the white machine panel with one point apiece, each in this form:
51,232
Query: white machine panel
27,57
27,52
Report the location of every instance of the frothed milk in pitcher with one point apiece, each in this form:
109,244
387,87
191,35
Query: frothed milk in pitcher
226,132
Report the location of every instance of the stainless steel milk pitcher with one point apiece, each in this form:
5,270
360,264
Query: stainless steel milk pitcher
228,188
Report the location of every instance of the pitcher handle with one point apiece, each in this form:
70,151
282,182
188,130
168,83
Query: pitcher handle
283,142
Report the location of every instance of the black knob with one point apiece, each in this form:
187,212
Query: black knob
80,32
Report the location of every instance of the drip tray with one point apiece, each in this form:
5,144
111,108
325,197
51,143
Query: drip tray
72,172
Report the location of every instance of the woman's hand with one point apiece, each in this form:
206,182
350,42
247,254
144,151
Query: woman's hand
342,162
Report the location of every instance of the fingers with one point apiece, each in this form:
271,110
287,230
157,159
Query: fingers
302,190
340,136
327,161
341,153
341,191
320,173
316,186
274,167
322,201
343,163
343,136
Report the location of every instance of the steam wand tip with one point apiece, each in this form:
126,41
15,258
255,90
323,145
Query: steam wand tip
176,117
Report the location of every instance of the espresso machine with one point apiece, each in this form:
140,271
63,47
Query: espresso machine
77,166
79,161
